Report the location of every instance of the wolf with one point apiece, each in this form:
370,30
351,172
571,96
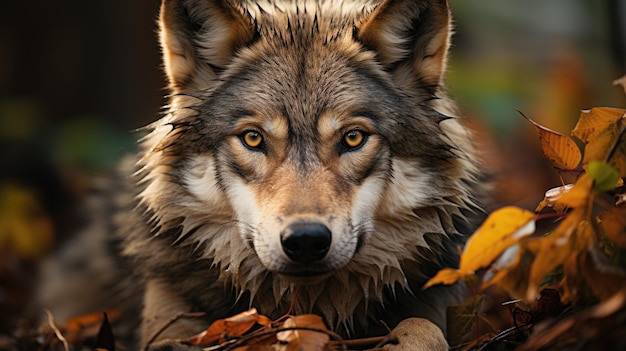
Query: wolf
308,161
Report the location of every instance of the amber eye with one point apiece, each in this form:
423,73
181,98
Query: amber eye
354,139
252,139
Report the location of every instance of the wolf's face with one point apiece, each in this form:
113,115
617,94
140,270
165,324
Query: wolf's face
306,140
303,162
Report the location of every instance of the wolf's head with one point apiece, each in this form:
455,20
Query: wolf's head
308,142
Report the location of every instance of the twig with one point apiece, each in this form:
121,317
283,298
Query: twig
179,315
243,340
503,334
56,330
367,343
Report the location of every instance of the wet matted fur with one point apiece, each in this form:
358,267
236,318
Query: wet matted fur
308,154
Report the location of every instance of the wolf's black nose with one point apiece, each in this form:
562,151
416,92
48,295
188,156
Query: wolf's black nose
306,242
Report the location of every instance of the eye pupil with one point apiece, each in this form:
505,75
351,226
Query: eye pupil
252,139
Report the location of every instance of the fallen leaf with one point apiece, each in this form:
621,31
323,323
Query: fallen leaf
78,324
303,337
236,325
462,318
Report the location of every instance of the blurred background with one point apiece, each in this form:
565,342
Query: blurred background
76,77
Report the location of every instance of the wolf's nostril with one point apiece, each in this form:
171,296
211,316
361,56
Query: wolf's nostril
306,242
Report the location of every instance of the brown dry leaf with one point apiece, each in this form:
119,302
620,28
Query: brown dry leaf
600,327
80,327
559,148
593,122
503,228
236,325
613,224
462,318
603,277
573,284
304,339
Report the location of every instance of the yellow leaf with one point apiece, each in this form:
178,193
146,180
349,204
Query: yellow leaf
592,122
446,276
557,147
502,229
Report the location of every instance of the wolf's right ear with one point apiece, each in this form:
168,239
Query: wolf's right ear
200,37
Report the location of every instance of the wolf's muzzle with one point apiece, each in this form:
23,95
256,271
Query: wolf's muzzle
306,242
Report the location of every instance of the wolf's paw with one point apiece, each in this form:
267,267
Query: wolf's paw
172,345
418,334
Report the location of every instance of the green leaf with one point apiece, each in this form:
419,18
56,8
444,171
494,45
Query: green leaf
604,176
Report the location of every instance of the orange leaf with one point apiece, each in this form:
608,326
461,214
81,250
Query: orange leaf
577,196
552,251
446,276
614,225
78,323
557,147
592,122
502,229
598,147
304,339
232,326
551,196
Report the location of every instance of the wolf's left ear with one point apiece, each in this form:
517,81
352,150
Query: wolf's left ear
411,39
200,37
